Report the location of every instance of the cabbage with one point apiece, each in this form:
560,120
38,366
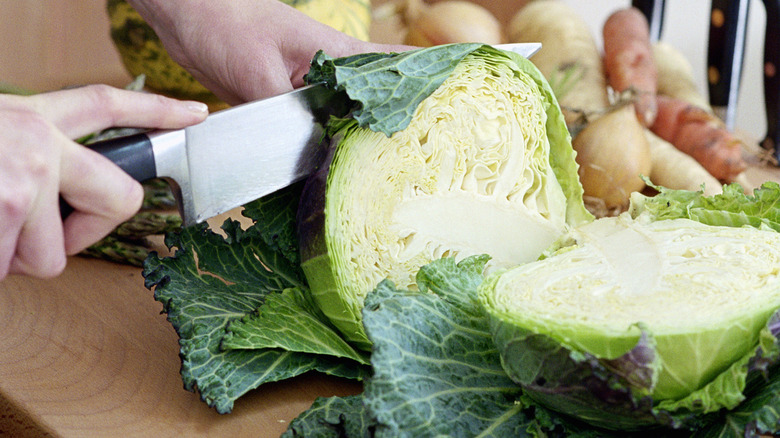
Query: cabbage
633,321
482,164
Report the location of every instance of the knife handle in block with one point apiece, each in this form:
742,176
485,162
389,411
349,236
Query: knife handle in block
653,10
133,154
725,55
771,79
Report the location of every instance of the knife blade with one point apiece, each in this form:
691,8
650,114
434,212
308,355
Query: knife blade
241,153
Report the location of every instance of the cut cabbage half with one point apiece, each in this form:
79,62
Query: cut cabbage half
704,293
476,171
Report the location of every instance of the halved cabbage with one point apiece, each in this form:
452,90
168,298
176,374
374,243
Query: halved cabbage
694,298
485,166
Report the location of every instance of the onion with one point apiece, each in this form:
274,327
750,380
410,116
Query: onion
613,153
450,21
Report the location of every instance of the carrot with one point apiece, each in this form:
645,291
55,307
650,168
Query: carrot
628,60
701,135
569,58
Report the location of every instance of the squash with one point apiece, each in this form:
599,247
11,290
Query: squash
142,52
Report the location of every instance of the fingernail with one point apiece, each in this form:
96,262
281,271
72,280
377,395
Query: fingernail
197,107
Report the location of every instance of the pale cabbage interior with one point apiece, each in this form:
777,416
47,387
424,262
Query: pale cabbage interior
703,292
469,175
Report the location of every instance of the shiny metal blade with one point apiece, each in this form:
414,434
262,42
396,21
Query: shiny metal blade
249,151
246,152
524,49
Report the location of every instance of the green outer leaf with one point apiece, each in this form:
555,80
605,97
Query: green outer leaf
336,417
289,321
201,305
731,208
231,278
388,87
607,393
436,371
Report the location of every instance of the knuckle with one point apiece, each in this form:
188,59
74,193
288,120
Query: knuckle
104,100
14,208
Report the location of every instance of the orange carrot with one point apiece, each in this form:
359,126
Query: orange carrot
701,135
628,60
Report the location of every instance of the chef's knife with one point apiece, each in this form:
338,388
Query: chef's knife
725,55
239,154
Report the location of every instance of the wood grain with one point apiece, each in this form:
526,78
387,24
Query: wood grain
88,354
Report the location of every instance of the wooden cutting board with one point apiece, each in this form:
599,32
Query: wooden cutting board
88,354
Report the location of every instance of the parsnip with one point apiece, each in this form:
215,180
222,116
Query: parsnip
568,48
450,21
675,76
675,169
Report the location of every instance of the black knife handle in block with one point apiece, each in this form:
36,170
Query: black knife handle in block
725,53
653,10
771,80
133,154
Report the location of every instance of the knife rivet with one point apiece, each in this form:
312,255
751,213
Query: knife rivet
770,70
718,18
713,75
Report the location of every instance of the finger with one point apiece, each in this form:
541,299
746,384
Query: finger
40,249
31,241
81,111
101,194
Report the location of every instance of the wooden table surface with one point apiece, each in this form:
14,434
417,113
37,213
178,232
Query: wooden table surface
88,354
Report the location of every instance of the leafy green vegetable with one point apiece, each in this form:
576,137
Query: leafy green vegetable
250,308
290,321
213,280
436,371
332,417
485,137
731,208
703,293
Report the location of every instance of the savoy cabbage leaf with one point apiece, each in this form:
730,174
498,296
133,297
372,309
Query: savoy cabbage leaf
215,279
388,87
436,370
732,208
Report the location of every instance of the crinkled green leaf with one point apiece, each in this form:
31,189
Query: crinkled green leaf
333,417
212,280
436,371
731,208
290,321
388,87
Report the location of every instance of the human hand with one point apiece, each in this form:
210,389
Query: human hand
244,50
40,162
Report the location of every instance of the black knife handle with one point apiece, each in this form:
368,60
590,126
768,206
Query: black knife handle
771,80
725,52
133,154
653,10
